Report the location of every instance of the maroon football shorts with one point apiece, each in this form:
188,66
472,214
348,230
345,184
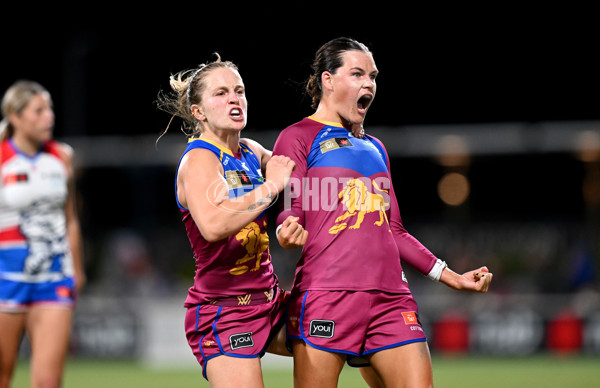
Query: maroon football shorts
238,331
355,323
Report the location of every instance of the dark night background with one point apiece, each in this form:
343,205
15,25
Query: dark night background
437,67
434,68
520,83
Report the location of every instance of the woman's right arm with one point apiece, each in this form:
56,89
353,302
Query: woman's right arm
202,189
290,230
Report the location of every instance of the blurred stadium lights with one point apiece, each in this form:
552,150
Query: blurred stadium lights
405,141
126,151
588,151
453,188
485,138
588,146
454,155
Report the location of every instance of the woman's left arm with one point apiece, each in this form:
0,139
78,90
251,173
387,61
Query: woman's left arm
419,257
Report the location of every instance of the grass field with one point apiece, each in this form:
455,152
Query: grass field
464,372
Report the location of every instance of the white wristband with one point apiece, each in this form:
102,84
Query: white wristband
436,271
277,230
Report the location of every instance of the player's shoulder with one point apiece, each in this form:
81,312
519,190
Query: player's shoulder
302,127
196,161
62,150
255,147
201,152
378,144
202,148
252,144
302,132
375,140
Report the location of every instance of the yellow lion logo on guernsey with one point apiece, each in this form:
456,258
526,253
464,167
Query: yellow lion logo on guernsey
256,243
358,201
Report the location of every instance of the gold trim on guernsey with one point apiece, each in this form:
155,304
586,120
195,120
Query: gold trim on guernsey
223,149
219,146
331,123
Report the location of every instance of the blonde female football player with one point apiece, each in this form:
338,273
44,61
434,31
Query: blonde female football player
224,185
41,268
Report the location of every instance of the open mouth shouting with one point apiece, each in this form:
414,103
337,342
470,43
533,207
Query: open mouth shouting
363,103
236,114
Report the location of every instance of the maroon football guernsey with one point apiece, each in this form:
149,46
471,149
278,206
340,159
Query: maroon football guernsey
341,190
241,263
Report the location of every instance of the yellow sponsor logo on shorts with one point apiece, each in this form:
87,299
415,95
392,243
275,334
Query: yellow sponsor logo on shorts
244,299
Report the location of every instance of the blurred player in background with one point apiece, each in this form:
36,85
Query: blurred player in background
224,185
41,269
348,222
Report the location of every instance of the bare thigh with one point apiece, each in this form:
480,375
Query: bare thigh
371,377
277,345
225,371
404,366
49,330
314,367
13,326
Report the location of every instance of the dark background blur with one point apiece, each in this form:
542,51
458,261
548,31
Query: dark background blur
518,87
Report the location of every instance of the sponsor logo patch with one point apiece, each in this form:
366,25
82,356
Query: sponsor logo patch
63,292
15,178
334,144
244,299
321,328
237,179
242,340
410,318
